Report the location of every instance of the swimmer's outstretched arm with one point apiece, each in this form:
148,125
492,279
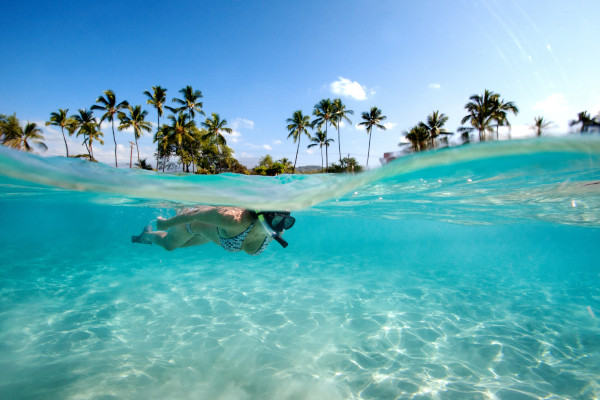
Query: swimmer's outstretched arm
225,217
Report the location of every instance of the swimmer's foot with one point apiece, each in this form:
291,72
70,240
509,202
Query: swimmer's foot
140,239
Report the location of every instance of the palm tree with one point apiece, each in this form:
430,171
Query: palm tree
481,112
189,102
61,119
486,109
320,139
287,164
108,104
162,138
340,114
136,120
85,124
25,138
9,127
540,124
324,113
297,125
214,127
434,126
418,136
179,133
94,135
157,98
502,109
585,119
372,119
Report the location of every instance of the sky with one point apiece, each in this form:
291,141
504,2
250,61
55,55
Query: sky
256,62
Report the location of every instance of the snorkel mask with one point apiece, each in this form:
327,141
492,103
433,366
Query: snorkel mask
275,223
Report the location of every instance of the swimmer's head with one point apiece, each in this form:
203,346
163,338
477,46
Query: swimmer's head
275,223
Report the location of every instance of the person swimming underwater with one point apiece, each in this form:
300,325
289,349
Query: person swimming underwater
234,229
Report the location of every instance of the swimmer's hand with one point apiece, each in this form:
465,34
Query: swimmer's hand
161,223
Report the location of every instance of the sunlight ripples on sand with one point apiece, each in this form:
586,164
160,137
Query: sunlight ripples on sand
341,333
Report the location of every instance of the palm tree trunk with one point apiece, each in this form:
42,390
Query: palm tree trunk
295,160
369,149
137,148
326,151
115,140
65,139
339,144
87,148
158,147
322,169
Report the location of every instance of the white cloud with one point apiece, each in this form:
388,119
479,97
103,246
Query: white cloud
346,87
553,104
234,136
390,125
277,142
266,147
242,123
435,85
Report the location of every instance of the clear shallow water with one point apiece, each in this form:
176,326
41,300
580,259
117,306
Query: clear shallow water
463,274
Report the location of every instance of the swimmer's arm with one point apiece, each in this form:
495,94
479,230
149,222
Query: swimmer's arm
208,215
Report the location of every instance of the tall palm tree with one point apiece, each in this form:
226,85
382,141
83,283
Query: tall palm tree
94,135
108,104
86,125
340,114
25,138
481,112
324,114
161,137
418,136
189,103
9,127
214,126
61,119
157,98
502,109
585,119
540,124
434,126
320,139
485,110
297,125
136,120
180,133
372,119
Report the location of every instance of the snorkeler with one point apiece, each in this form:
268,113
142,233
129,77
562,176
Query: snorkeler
234,229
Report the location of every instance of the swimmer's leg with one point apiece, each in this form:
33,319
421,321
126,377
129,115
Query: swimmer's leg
177,237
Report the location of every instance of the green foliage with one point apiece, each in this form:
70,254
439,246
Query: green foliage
143,164
266,166
486,112
347,164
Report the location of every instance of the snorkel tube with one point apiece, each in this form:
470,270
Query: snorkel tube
270,230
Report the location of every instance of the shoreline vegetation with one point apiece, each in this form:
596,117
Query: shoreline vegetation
183,144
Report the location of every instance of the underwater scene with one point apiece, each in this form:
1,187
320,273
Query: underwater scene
464,273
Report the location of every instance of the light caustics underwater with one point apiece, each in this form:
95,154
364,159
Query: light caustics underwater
463,273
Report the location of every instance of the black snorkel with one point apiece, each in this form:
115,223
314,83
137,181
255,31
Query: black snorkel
269,230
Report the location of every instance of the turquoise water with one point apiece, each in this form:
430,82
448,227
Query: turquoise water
466,273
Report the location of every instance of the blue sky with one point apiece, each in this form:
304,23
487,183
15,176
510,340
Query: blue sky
258,62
